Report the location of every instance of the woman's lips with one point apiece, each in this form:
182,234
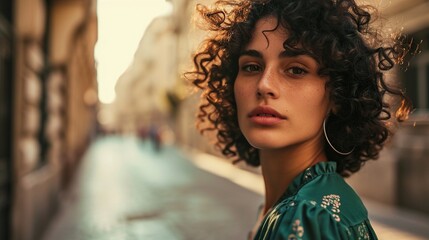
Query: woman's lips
264,115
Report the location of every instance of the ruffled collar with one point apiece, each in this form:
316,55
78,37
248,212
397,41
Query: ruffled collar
309,174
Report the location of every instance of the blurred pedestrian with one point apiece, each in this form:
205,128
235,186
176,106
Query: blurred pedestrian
154,136
299,87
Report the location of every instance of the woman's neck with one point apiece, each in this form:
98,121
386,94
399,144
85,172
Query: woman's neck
281,166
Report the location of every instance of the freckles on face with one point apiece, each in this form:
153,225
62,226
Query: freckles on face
280,98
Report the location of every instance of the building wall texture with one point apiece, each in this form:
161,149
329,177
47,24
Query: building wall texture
54,105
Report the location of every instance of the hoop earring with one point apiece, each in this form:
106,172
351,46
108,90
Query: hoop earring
330,144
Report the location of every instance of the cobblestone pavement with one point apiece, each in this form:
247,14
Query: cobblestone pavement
126,190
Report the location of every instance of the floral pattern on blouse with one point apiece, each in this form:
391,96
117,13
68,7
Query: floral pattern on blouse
333,203
298,231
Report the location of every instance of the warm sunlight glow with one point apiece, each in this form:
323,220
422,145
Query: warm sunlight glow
121,26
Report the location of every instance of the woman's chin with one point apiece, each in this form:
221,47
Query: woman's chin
265,144
265,140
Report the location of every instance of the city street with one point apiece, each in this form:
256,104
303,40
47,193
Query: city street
125,189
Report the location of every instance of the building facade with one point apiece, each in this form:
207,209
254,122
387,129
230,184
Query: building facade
48,99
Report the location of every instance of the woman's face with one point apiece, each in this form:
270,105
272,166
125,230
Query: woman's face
281,100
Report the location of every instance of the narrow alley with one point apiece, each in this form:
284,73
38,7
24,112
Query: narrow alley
80,79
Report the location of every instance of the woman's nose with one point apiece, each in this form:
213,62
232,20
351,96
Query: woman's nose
267,85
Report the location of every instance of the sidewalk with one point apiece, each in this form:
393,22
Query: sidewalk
395,223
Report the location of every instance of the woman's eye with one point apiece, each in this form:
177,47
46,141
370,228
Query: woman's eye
297,71
251,68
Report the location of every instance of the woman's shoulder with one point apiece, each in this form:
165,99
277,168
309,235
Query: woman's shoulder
312,219
319,206
333,194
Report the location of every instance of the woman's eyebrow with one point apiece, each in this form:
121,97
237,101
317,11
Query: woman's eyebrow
284,54
251,53
298,54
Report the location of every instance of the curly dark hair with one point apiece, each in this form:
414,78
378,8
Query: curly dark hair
352,54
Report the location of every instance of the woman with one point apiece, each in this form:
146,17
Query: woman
298,87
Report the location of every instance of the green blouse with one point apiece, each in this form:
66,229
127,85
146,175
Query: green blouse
318,204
